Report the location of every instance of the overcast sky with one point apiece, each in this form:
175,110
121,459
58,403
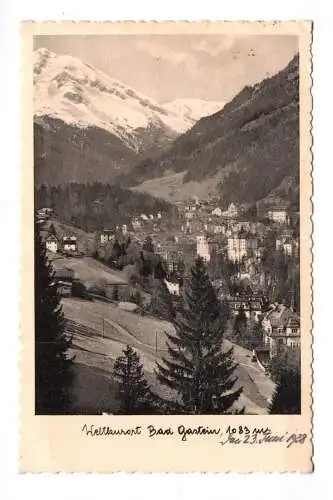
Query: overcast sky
167,67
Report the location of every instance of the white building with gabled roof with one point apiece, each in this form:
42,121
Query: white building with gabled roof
279,214
52,243
217,211
232,212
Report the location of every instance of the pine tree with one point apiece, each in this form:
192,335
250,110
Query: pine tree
52,230
256,335
287,395
144,265
116,250
285,360
240,324
52,364
161,302
148,245
159,271
134,393
197,368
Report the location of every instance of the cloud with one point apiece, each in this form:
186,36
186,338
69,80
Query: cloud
159,50
215,45
167,52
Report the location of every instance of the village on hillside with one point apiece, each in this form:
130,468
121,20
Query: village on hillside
252,260
167,227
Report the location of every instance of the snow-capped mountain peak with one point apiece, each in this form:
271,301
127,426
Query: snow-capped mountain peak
81,95
194,109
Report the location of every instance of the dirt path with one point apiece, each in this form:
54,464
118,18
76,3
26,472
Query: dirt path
104,339
256,385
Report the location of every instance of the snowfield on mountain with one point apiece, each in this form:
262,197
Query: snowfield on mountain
73,91
193,109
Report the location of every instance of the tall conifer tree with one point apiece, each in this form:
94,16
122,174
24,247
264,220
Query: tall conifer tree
197,368
287,396
52,364
240,324
148,245
134,392
285,370
161,301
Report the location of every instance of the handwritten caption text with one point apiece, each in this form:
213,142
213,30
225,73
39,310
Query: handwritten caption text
237,435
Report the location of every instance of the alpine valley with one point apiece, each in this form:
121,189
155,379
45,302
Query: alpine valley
255,136
90,127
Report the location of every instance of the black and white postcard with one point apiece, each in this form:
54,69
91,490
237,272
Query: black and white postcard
166,247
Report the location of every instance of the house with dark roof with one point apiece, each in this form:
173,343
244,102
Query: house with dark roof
64,277
69,243
281,327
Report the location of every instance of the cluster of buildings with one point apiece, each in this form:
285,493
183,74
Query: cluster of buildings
237,245
67,244
54,242
177,254
207,229
280,325
139,222
138,225
194,206
252,305
203,228
200,215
